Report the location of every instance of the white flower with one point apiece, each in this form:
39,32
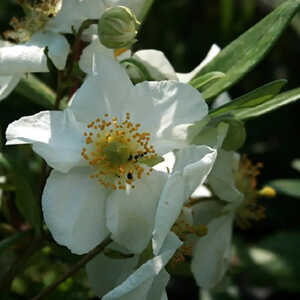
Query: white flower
123,281
211,255
190,169
16,60
160,68
110,128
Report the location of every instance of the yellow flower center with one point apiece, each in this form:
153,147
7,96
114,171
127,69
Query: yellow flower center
183,230
116,151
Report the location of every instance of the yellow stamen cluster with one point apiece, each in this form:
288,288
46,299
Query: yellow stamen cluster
246,182
116,151
183,230
37,14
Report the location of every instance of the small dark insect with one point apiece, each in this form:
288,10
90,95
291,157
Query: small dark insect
50,15
130,157
129,176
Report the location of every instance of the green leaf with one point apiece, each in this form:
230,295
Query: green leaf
6,243
201,81
236,135
36,91
241,56
251,99
272,104
290,187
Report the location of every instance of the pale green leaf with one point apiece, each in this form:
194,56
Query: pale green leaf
201,81
251,99
272,104
241,56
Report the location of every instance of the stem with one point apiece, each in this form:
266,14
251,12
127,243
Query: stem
74,269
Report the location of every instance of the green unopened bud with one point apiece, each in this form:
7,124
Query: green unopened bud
117,28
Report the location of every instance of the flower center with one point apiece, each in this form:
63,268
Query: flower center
117,151
183,230
37,15
246,182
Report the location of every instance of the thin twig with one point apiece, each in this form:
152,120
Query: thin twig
74,269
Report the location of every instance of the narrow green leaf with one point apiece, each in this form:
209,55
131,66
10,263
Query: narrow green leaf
290,187
201,81
274,103
241,56
36,91
6,243
251,99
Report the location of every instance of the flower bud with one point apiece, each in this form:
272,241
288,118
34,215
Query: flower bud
117,28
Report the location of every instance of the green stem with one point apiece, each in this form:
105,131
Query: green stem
36,91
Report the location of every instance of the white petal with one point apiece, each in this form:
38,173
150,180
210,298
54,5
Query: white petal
73,13
159,284
201,191
221,179
55,135
168,164
166,109
30,57
91,60
192,166
212,53
221,100
57,44
156,64
105,273
131,213
137,286
212,253
169,208
108,92
74,209
7,85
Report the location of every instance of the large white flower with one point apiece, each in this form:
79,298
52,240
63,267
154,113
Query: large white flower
15,60
190,168
97,148
125,279
211,255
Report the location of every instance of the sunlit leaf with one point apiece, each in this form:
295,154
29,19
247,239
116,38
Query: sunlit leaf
241,56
